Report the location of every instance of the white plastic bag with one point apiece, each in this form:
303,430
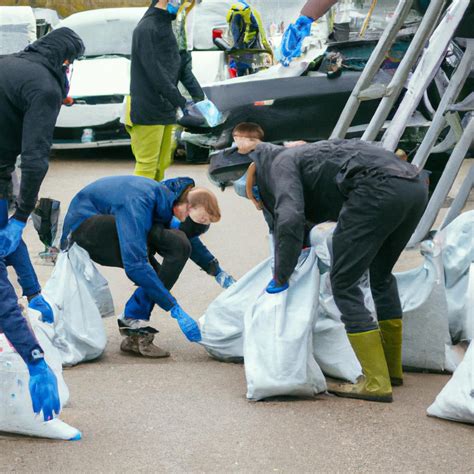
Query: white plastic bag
79,331
210,112
16,411
222,325
456,400
97,285
458,262
278,344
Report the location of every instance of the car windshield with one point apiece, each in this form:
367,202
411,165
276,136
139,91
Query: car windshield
107,31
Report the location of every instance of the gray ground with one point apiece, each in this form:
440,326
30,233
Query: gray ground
189,412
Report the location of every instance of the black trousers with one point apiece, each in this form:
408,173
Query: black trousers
374,226
98,235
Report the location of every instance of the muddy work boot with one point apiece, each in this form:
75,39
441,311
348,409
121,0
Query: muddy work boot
374,385
142,344
391,330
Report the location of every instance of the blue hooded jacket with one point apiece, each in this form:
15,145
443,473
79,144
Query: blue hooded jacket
137,203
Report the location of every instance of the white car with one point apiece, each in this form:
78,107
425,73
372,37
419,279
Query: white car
100,81
17,28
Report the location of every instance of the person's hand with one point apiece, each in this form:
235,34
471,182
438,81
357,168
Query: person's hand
44,390
293,37
10,237
273,287
295,143
187,324
224,279
41,305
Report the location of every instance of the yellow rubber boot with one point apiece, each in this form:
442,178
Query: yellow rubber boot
374,385
391,330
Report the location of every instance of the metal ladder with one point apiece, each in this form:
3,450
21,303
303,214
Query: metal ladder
437,40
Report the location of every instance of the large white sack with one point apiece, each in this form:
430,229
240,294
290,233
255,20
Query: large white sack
426,337
456,400
96,284
79,332
222,325
278,344
16,411
457,241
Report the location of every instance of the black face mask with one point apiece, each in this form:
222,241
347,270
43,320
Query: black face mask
193,229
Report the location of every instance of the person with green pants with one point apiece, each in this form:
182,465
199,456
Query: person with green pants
154,96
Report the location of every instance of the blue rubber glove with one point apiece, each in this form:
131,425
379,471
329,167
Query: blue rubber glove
173,7
44,390
10,237
224,279
187,324
293,39
41,305
273,287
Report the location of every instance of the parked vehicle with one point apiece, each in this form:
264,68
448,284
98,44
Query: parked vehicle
100,81
17,28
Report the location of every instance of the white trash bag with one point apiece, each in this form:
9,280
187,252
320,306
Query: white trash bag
79,331
222,325
456,400
16,410
278,342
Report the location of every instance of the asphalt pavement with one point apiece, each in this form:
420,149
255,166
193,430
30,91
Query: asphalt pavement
188,413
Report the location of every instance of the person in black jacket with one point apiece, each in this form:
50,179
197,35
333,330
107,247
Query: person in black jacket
377,200
154,95
33,85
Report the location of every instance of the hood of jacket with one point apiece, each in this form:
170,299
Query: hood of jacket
52,50
177,186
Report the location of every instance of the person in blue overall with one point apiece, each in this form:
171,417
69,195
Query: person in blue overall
33,85
123,221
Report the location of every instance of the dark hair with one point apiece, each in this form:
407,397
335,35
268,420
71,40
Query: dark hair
251,129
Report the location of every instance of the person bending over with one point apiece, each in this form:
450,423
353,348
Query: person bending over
123,221
377,201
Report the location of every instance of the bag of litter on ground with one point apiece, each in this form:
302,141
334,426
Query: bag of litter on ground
331,347
222,325
278,344
79,330
456,400
16,410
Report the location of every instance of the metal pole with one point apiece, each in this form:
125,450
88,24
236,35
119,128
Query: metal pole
371,68
460,199
439,121
444,185
398,81
425,71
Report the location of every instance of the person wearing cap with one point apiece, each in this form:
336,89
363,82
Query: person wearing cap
377,201
33,85
123,221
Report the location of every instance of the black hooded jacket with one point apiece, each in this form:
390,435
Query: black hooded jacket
309,184
155,70
32,86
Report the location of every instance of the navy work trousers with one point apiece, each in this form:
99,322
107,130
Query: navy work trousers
375,224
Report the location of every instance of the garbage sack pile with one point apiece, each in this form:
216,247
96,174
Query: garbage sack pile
237,325
79,297
438,309
16,410
456,401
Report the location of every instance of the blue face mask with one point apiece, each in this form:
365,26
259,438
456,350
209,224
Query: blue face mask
173,7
